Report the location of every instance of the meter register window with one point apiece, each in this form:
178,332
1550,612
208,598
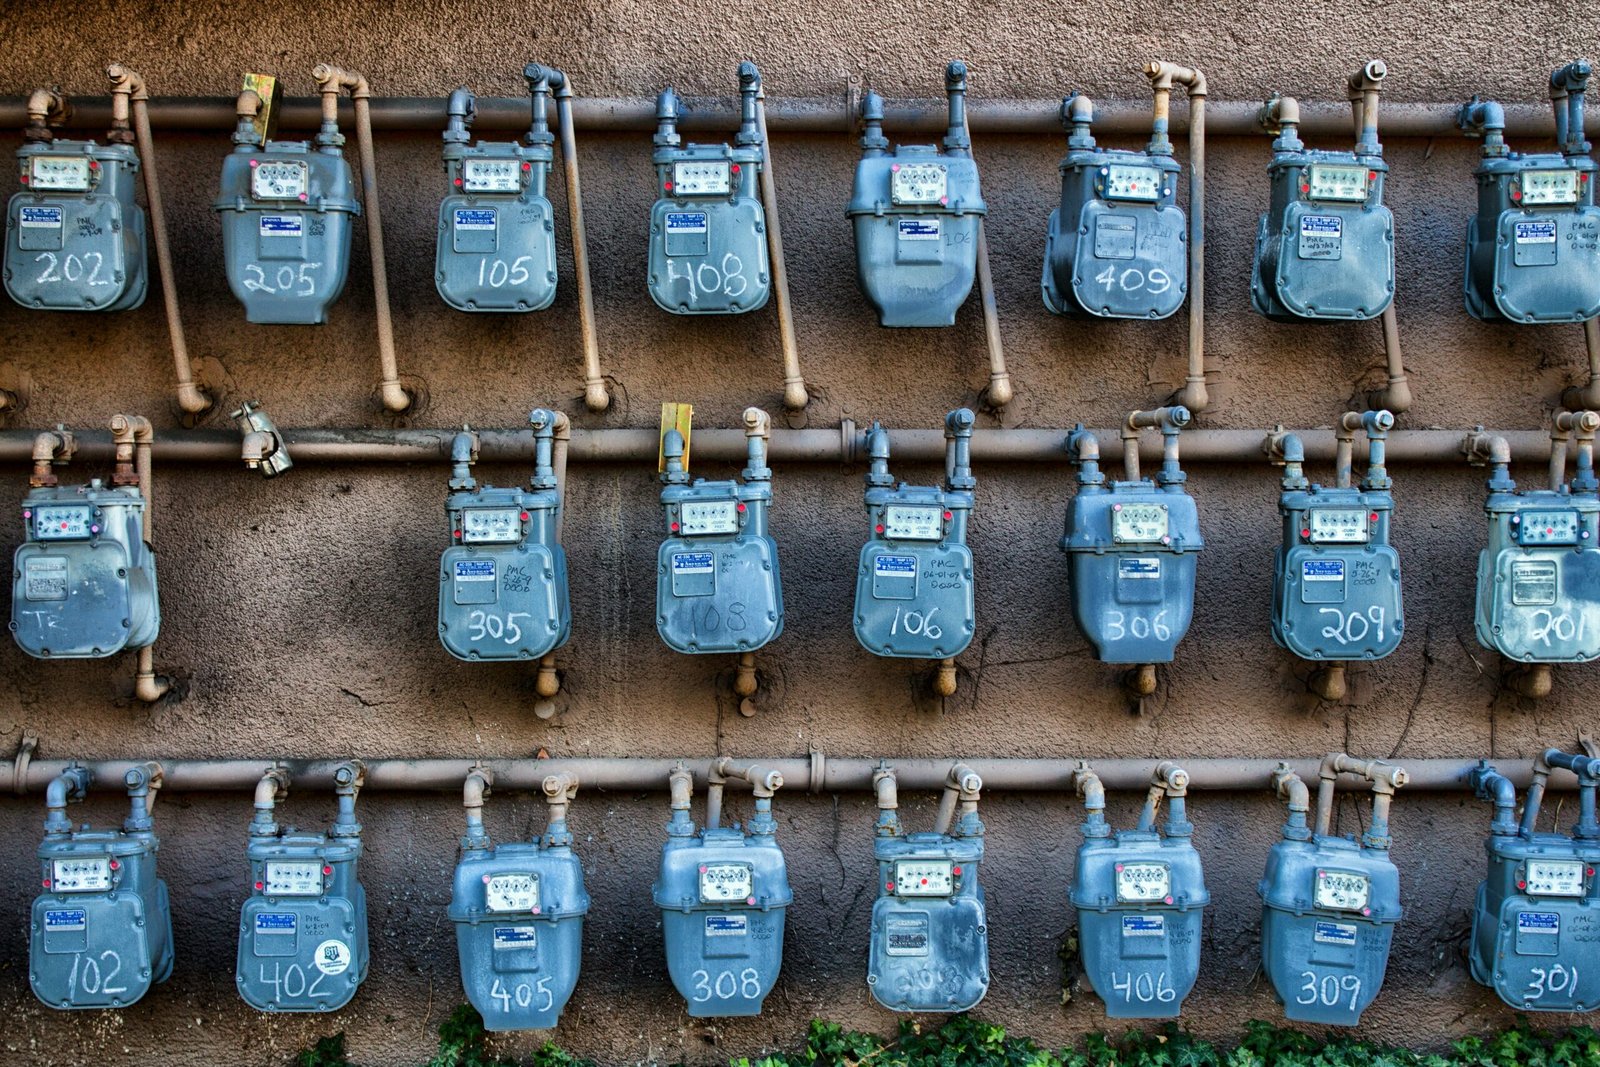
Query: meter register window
1550,187
1337,181
918,183
491,526
292,878
1138,523
1132,183
726,883
924,878
90,875
1143,883
702,178
491,176
62,522
511,892
904,523
278,180
1342,890
1338,526
1555,878
697,517
68,174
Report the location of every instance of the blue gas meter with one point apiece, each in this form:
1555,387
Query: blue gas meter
717,586
930,926
916,211
497,246
75,235
503,592
723,893
518,909
1131,547
1140,898
1533,926
1533,248
1330,904
708,230
303,929
914,587
101,931
1116,246
287,208
1336,590
1325,245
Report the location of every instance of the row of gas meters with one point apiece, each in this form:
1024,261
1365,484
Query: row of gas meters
1117,245
101,927
84,579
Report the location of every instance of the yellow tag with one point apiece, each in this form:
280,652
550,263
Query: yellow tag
266,87
678,417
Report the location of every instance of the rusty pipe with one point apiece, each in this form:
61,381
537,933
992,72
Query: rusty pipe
1587,397
764,781
886,794
271,790
330,82
1280,111
548,682
1365,85
1289,787
51,448
1163,76
999,392
133,432
1344,450
1087,784
44,109
795,395
560,790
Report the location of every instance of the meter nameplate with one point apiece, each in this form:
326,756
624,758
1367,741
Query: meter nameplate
726,883
1139,568
475,219
906,523
91,875
920,229
1321,237
279,180
58,173
1116,237
491,526
1342,890
727,926
1337,181
1322,570
511,892
514,938
906,935
1138,523
66,920
1143,883
39,218
70,522
1555,878
1144,926
44,578
491,176
1550,187
283,226
292,878
1533,583
924,878
1338,526
1547,528
696,517
919,183
688,234
1329,933
894,568
1132,183
1533,243
702,178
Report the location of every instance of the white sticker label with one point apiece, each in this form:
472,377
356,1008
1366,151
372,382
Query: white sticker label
686,222
282,226
692,562
1539,922
895,567
1328,933
41,218
474,570
333,957
727,925
1322,570
1141,567
920,229
475,218
1538,232
514,937
1144,926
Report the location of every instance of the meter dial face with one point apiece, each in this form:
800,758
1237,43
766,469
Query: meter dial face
278,180
511,892
726,883
491,526
1143,883
1547,528
1338,526
1132,183
292,878
924,878
1342,890
918,183
63,522
1550,187
904,523
1338,181
704,178
1555,878
708,517
90,875
59,173
1138,523
491,176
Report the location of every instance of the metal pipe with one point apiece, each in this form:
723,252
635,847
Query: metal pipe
1488,784
1539,781
560,790
473,790
680,787
548,682
330,81
1291,789
1163,76
961,783
795,396
999,392
1087,784
273,787
133,432
1587,397
1365,85
72,783
884,786
51,449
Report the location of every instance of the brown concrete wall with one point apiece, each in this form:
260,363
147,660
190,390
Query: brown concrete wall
299,613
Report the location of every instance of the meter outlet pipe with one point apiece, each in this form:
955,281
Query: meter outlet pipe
795,396
331,81
548,682
1365,85
132,437
1163,76
998,393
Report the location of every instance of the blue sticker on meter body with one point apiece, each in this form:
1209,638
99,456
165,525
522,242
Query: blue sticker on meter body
693,562
282,226
1538,922
727,925
66,920
1330,933
1321,237
474,570
275,923
1322,570
475,218
919,229
895,566
46,218
1537,232
686,222
1141,567
1144,926
509,937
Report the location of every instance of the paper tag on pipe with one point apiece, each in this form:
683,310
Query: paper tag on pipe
266,87
678,417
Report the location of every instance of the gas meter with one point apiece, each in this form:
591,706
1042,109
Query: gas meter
1116,247
287,208
708,230
1539,576
1131,547
1140,898
101,931
930,932
1336,591
723,893
75,236
518,909
1533,927
914,585
303,929
1325,246
503,580
83,581
497,245
1533,248
916,212
1330,904
717,587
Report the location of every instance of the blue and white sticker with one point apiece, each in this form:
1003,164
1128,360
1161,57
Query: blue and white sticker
41,218
66,920
1537,232
1322,570
276,922
692,562
1321,226
1329,933
686,222
727,925
474,570
920,229
476,218
1539,922
1144,926
282,226
515,937
1145,568
895,567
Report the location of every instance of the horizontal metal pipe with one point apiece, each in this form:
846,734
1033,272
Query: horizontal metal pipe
1235,118
839,445
815,775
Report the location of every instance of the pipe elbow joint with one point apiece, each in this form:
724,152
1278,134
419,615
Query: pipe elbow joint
964,780
955,77
332,79
1164,75
1077,109
1370,77
749,76
1278,112
757,423
959,423
1172,778
559,787
396,399
148,686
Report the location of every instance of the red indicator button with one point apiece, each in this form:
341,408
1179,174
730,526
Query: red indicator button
955,870
260,886
458,183
741,509
888,887
327,870
527,167
924,881
674,527
734,169
879,527
1516,194
751,901
1522,885
486,879
524,516
1373,517
255,162
114,865
46,883
667,186
947,516
1305,533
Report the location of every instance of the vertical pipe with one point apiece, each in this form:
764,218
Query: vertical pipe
596,397
1193,395
795,397
999,392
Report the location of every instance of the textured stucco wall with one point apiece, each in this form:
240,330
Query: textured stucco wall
299,613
